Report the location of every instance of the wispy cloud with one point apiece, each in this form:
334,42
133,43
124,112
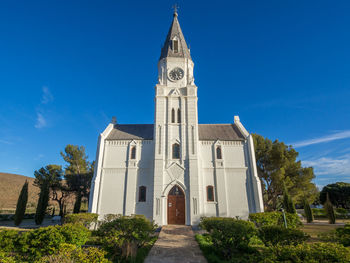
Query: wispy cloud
327,138
47,96
5,142
330,166
40,121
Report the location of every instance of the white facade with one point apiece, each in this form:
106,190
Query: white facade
213,159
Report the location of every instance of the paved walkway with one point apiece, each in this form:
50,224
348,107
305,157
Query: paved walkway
175,244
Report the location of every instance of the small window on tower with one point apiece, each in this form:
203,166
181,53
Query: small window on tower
173,116
210,193
178,116
175,46
176,151
218,153
133,152
142,194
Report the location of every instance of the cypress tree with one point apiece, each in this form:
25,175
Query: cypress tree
77,203
42,203
329,210
308,211
21,204
288,203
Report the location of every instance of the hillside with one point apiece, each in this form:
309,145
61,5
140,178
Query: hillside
10,187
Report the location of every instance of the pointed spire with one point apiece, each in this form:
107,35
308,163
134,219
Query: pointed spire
175,44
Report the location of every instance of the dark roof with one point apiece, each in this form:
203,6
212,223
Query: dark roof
175,30
224,132
131,131
210,132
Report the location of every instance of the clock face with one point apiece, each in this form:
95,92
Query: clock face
176,74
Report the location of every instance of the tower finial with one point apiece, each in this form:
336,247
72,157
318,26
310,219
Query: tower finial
175,7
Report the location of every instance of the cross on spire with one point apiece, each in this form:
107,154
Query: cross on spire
175,7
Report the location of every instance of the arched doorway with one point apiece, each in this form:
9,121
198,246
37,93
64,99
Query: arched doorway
176,206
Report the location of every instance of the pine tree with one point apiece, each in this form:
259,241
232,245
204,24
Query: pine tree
288,203
42,204
21,204
308,212
329,210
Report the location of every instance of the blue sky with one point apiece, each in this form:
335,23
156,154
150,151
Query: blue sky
67,67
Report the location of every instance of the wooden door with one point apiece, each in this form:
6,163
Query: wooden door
176,206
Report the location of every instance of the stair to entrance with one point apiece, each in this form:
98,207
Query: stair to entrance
176,243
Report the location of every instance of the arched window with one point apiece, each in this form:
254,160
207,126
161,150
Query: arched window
142,194
173,115
178,116
133,152
218,153
210,193
176,151
175,46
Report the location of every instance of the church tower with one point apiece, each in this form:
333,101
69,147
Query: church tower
175,129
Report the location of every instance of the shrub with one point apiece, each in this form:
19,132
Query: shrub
83,218
319,212
75,234
340,235
229,236
125,234
273,235
275,219
7,240
341,213
329,210
21,204
69,254
6,257
316,252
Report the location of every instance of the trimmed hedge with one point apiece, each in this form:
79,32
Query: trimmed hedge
229,235
273,235
83,218
275,219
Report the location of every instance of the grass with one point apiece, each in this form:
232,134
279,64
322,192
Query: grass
315,229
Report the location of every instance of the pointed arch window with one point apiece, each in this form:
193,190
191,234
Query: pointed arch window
133,152
175,45
210,193
178,116
176,151
173,115
142,194
218,153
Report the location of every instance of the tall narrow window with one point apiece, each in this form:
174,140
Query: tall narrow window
176,151
218,153
210,193
133,152
175,46
142,194
178,116
173,115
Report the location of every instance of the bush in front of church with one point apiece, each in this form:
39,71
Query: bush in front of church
279,235
275,219
85,219
124,235
228,235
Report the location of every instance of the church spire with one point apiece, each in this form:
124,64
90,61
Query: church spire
175,44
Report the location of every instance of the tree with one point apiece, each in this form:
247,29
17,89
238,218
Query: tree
339,194
287,201
50,179
43,201
329,210
277,164
21,204
308,211
78,173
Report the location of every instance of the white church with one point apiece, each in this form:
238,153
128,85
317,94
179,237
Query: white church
176,171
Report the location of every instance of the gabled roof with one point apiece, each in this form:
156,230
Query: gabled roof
175,31
131,132
210,132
